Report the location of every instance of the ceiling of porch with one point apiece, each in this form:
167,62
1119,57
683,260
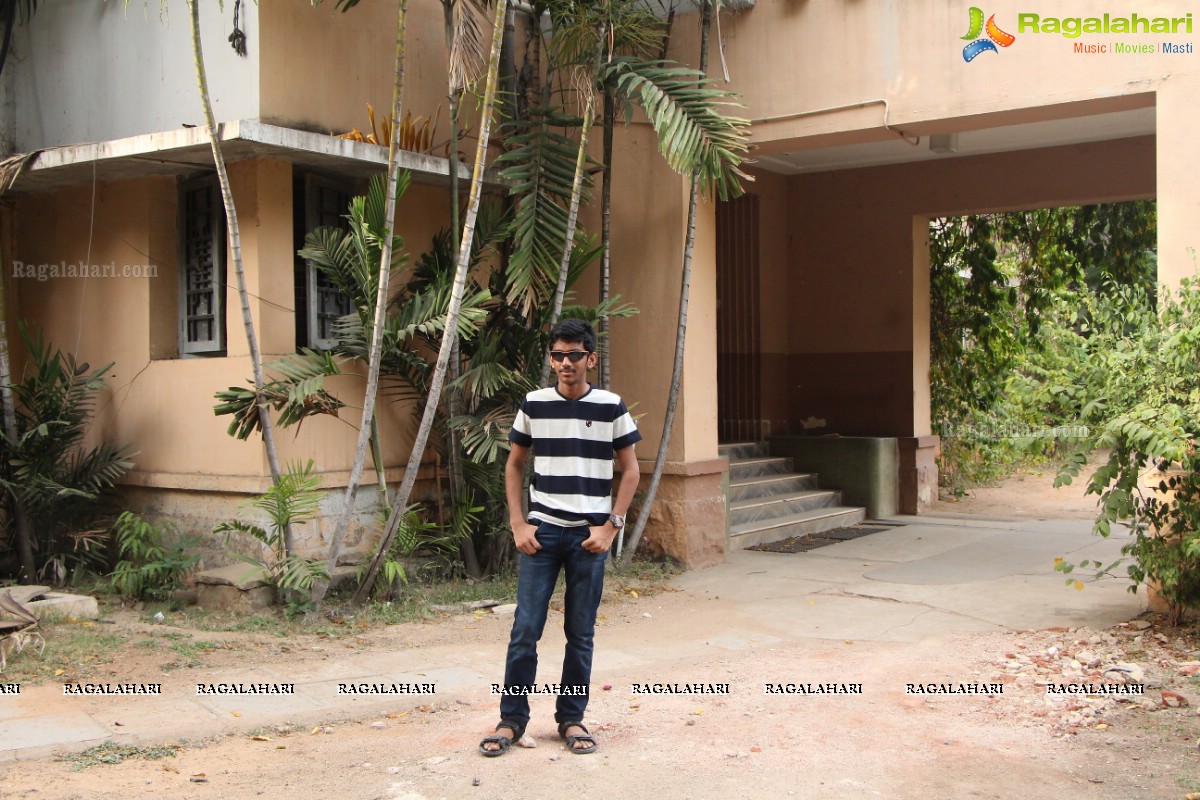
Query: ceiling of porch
898,150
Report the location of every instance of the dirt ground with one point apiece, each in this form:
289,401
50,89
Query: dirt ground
1028,493
887,745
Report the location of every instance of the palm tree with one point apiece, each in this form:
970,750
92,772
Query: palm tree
378,323
235,247
400,504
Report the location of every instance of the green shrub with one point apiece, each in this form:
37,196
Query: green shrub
49,474
1140,396
150,568
293,500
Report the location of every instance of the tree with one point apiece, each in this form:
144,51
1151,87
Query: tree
24,534
400,503
377,326
235,248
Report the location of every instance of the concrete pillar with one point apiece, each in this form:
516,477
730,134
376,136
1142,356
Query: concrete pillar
918,476
687,521
1177,165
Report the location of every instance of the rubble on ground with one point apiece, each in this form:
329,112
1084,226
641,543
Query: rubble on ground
1076,661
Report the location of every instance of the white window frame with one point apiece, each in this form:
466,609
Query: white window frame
313,184
217,267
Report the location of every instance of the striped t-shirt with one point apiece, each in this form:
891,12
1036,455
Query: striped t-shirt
573,443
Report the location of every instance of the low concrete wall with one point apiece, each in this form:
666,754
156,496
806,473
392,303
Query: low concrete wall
864,468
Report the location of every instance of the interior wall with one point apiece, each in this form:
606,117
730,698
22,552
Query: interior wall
853,318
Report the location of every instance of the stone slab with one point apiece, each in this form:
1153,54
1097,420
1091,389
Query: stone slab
216,597
59,605
240,576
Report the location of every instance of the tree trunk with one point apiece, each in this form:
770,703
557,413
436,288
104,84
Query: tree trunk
564,266
235,247
458,480
610,120
24,533
381,299
681,332
451,329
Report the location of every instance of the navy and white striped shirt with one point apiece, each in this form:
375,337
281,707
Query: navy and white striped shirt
573,443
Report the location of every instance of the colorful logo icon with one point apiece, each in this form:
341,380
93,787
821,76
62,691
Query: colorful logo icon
995,36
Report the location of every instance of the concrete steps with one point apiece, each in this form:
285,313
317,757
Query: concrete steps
768,502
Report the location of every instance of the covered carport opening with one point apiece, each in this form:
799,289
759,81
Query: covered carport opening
823,271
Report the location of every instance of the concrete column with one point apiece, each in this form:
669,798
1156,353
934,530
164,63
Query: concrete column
649,228
1177,165
918,477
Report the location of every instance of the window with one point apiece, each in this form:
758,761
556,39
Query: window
202,279
321,303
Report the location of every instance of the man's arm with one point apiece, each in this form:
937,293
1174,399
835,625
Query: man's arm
524,534
600,537
631,474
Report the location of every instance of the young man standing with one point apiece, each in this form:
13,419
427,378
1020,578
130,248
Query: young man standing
574,431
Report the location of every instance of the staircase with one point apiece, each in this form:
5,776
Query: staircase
769,502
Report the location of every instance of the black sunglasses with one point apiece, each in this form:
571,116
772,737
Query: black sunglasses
574,355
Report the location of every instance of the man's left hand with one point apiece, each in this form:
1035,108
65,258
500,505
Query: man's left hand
600,538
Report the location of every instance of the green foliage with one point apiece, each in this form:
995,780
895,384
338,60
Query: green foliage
540,162
296,394
150,568
686,112
63,483
1008,330
1141,399
293,500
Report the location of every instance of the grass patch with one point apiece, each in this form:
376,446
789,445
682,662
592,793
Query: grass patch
189,653
422,600
75,648
113,753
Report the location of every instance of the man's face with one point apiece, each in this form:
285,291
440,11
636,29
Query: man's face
571,373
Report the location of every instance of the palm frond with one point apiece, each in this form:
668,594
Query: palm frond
541,164
629,27
468,42
485,438
686,112
298,393
293,498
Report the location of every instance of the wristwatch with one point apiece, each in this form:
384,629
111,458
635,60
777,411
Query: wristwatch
617,521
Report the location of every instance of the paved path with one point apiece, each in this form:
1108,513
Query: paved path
933,575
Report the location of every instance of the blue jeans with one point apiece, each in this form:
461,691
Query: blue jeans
561,549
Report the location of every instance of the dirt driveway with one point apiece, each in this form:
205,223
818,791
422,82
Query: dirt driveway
884,742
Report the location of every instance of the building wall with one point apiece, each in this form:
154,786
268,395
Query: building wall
321,67
90,71
786,58
159,404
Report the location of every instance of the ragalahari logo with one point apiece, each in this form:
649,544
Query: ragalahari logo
994,37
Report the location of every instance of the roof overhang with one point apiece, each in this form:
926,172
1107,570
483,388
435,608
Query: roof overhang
188,151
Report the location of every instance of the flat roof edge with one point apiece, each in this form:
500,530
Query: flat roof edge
188,149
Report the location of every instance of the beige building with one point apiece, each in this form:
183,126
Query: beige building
809,299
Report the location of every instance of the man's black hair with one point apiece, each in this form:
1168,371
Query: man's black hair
574,331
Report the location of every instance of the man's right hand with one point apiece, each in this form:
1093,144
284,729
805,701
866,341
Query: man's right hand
525,537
